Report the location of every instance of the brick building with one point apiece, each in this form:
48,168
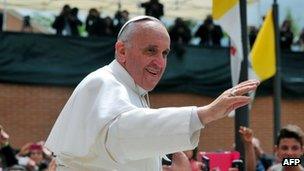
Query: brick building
28,113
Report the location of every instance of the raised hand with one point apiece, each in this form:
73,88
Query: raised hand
246,134
228,101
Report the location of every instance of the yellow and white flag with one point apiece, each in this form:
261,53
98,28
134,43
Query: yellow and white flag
227,14
263,50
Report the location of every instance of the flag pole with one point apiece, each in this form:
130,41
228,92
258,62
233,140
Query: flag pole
277,78
4,24
242,114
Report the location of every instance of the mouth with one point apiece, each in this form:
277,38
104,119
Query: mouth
153,72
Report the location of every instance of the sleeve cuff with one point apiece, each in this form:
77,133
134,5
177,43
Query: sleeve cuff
195,123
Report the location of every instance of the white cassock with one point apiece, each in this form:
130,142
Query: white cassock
106,125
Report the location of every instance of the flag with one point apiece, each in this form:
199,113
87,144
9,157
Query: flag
263,50
227,14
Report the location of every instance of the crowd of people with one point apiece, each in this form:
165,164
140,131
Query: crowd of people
208,33
35,157
30,157
289,144
287,37
68,23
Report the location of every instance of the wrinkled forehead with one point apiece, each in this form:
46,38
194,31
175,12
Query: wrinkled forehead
126,27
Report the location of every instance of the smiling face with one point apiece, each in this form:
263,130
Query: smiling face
289,148
144,52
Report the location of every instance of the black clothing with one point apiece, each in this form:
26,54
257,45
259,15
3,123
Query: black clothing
7,155
210,37
154,9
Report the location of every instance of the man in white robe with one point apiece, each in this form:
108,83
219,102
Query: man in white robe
107,123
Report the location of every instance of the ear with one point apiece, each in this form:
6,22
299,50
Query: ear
120,52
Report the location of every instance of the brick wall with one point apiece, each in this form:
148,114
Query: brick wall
28,113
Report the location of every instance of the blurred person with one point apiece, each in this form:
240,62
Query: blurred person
67,22
32,157
301,40
61,24
209,33
1,21
250,157
74,22
153,8
289,145
27,26
180,35
121,18
195,165
180,32
16,168
180,162
94,23
262,161
286,35
36,154
108,27
107,124
7,153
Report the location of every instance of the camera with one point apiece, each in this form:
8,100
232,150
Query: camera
206,163
239,164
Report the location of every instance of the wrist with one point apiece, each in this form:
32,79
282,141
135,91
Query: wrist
204,114
248,143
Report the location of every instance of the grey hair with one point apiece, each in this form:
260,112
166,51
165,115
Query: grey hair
122,35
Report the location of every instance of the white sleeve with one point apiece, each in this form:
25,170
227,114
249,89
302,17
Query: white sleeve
143,133
195,123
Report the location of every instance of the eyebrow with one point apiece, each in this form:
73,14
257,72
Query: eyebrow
156,46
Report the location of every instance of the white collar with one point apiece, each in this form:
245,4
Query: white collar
122,74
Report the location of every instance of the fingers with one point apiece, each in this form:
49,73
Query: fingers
243,88
240,104
245,131
246,134
236,102
249,82
242,129
238,99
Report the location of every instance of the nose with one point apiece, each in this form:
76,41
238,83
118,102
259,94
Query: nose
160,61
289,153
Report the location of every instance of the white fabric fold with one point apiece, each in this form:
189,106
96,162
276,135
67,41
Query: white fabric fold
106,125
